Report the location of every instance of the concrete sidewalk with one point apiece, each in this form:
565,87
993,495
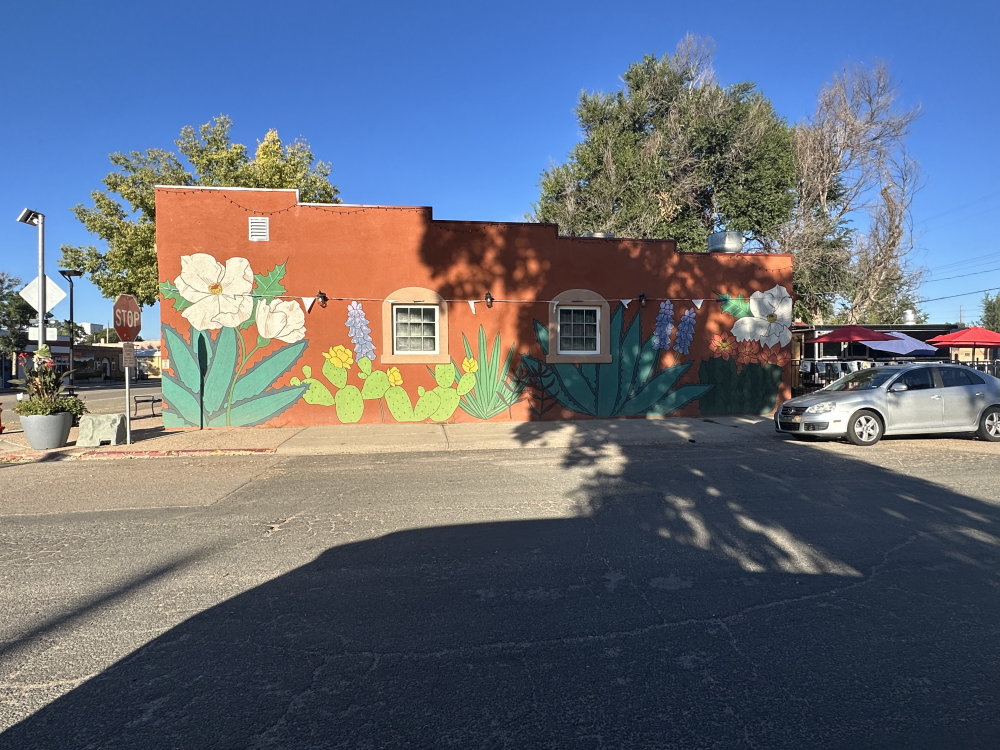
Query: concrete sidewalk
150,440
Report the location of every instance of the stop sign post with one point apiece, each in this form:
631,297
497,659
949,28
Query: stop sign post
127,317
128,322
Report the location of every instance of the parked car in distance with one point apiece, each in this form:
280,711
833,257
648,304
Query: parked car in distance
919,398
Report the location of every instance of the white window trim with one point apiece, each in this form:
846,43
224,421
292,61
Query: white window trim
416,306
564,308
587,299
413,296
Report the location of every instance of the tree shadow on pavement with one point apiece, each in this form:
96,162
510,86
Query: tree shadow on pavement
746,594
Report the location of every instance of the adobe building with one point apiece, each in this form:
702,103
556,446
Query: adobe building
280,313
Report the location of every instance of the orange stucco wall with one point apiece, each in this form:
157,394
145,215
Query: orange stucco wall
364,253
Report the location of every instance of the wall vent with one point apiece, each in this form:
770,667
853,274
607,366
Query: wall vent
259,229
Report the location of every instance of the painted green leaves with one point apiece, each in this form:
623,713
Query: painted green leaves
495,391
629,385
210,389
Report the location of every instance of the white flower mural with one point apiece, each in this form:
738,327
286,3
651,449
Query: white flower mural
281,319
219,295
770,319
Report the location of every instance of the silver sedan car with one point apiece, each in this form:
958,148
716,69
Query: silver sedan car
897,400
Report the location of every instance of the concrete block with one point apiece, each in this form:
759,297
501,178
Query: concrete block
95,428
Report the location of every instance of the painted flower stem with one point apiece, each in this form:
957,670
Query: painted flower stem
245,357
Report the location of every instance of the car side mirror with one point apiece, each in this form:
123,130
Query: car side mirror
899,387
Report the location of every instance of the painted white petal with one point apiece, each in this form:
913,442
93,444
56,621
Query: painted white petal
200,270
747,329
760,305
233,311
202,314
238,278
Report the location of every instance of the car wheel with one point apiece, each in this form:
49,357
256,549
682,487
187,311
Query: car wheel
989,425
865,428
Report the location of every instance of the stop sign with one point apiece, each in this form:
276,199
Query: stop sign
127,317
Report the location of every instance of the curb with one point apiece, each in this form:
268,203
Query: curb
27,458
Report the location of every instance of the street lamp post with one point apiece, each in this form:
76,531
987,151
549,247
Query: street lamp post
27,216
69,274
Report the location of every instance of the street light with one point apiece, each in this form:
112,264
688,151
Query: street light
69,274
27,216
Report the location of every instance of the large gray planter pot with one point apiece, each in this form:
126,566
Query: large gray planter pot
47,431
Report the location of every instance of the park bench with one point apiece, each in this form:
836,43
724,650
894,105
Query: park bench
151,400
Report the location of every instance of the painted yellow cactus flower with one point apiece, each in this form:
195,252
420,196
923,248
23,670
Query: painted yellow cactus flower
470,365
394,377
340,356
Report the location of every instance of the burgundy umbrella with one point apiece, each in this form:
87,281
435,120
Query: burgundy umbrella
851,333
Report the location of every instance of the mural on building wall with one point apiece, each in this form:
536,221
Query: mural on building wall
631,384
235,365
213,383
748,361
496,390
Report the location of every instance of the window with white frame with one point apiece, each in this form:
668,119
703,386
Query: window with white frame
579,328
415,329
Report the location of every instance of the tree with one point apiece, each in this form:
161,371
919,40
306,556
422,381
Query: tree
674,155
853,167
64,328
106,336
14,316
128,223
991,312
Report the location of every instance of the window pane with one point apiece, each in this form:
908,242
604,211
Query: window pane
415,329
578,327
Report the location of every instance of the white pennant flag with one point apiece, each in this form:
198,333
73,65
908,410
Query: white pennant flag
626,303
308,303
472,306
697,303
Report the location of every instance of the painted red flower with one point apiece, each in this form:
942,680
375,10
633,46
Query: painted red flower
747,353
724,345
774,355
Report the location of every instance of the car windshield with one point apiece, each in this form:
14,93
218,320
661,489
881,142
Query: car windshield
863,379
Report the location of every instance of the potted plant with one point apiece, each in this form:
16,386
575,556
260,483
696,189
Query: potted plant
46,414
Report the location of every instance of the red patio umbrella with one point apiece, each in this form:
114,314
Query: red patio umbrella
973,336
845,334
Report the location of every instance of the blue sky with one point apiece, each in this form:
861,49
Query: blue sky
461,105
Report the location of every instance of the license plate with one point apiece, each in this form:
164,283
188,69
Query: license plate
797,418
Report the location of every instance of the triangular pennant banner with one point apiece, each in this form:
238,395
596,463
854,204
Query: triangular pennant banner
308,303
697,303
472,306
626,303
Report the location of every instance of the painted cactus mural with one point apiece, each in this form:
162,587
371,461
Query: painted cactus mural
214,383
495,390
748,363
629,385
438,403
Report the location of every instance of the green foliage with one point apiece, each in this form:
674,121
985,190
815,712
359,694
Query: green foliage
673,155
124,214
494,390
14,316
35,407
43,386
629,385
991,312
